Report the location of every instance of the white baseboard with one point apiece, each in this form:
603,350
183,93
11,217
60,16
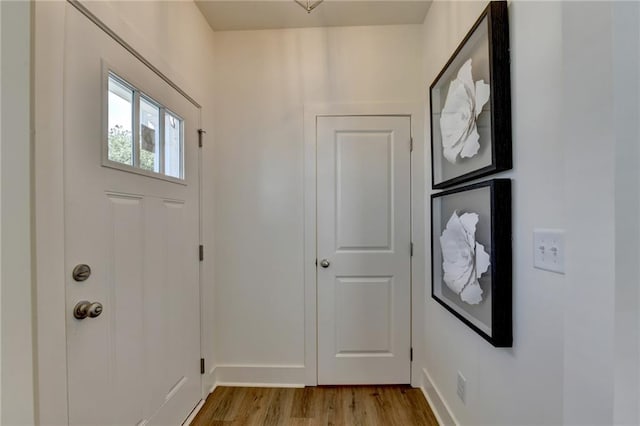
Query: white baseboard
209,382
438,405
281,376
213,379
194,413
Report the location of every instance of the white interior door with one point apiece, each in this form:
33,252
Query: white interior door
364,270
138,362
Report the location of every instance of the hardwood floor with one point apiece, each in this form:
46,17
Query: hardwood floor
323,405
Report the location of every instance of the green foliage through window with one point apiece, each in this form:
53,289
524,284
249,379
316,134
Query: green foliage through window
121,148
120,145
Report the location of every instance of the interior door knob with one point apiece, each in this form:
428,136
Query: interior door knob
81,310
86,309
325,263
95,309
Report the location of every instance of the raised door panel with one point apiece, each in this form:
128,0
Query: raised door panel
364,191
367,300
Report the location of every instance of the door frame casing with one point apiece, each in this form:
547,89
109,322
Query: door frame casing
416,111
50,299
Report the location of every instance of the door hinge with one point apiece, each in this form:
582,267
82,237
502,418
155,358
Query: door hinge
411,354
200,133
411,144
201,365
201,252
411,249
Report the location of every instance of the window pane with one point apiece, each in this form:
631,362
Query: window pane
172,145
149,135
142,133
120,122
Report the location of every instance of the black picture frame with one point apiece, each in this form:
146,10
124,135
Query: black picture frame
491,201
494,155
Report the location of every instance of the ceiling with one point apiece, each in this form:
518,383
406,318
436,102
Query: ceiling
224,15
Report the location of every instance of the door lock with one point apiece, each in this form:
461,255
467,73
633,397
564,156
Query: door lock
81,272
86,309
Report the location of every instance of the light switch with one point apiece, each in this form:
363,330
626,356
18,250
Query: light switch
548,249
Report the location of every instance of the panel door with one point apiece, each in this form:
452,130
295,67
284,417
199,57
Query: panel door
138,362
363,226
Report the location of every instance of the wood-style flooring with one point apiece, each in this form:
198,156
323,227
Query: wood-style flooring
323,405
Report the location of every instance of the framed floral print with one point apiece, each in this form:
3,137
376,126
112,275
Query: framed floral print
471,104
471,257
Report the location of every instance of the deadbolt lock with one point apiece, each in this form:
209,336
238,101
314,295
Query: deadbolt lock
81,272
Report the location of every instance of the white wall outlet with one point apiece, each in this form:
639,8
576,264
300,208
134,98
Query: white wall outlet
462,387
548,249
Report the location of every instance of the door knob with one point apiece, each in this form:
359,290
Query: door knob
85,309
95,309
325,263
81,310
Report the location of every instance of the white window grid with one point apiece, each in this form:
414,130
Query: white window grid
136,130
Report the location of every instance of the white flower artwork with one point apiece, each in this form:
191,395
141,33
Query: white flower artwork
458,119
464,259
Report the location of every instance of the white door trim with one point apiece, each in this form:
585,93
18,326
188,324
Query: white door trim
51,340
16,261
417,113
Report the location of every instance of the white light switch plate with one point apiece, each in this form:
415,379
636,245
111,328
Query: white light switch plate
548,250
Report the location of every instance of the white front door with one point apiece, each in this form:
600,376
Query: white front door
137,363
363,234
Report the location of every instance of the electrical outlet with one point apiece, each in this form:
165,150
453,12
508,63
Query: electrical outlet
548,250
462,387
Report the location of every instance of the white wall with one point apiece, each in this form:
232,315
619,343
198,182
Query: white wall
262,81
176,38
588,378
522,384
601,321
0,222
626,113
575,111
17,380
